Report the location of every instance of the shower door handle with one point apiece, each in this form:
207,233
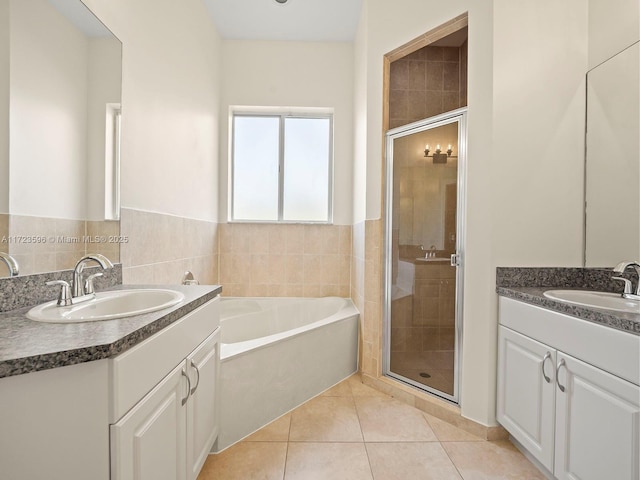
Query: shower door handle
455,260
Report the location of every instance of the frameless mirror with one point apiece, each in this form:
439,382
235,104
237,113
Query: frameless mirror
60,108
612,193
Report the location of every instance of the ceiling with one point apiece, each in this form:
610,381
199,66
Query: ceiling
295,20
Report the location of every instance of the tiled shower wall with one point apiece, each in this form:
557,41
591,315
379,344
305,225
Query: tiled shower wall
428,82
160,248
285,260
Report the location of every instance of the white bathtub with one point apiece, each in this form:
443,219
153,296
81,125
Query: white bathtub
277,353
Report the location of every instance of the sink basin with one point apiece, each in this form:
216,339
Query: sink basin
433,259
609,301
107,305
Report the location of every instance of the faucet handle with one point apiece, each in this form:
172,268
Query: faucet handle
628,286
88,283
64,297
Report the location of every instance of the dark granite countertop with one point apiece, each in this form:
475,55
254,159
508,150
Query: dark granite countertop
627,322
29,346
528,284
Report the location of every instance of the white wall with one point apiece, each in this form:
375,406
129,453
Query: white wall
47,144
170,85
360,117
613,26
293,74
540,62
525,147
105,80
4,106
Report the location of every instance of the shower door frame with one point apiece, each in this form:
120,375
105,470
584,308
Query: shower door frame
459,116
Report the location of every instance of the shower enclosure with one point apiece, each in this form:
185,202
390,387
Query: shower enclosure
425,165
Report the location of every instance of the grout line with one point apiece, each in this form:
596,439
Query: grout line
286,455
451,460
364,443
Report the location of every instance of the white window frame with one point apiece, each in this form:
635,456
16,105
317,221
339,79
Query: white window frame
282,114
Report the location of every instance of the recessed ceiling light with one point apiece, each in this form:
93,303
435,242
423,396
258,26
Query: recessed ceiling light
281,2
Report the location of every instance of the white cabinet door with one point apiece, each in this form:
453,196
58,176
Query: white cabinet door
148,443
597,424
202,419
526,390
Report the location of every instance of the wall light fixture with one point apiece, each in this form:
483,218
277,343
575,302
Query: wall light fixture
438,156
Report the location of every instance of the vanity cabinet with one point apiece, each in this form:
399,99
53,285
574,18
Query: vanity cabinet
121,417
149,442
170,431
579,420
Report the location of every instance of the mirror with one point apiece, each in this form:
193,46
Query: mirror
612,183
60,117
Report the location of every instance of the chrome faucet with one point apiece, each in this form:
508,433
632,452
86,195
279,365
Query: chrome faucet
11,263
80,287
628,290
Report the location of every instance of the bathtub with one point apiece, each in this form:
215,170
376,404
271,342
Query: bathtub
277,353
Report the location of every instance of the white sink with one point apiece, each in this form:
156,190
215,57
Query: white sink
609,301
108,305
433,259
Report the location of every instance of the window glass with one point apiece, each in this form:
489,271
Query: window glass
306,169
256,155
281,168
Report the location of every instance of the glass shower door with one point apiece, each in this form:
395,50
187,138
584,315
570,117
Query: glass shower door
423,296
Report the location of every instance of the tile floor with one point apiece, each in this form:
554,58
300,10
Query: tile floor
355,432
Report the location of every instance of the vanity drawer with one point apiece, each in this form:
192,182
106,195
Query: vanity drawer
135,372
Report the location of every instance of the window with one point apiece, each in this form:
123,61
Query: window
281,167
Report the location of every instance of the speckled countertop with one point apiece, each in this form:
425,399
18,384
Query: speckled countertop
29,346
529,284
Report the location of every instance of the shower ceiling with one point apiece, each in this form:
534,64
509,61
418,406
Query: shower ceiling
295,20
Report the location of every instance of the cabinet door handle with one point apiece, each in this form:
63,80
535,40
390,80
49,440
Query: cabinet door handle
560,364
195,367
547,356
184,400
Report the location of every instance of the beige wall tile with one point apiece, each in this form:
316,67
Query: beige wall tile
294,269
142,275
295,239
4,230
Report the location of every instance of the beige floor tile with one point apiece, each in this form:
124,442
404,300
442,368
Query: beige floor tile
388,420
325,419
276,431
449,433
327,461
247,461
359,389
342,389
491,461
412,460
